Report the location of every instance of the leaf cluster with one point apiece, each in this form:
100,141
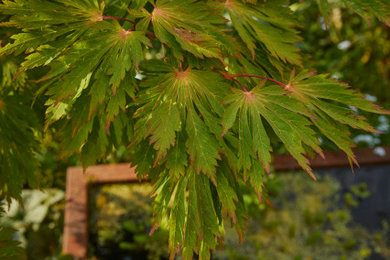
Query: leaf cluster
200,91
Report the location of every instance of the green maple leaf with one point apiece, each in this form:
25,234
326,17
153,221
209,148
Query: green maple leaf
187,25
115,51
80,47
202,146
177,157
332,102
287,117
273,28
18,141
367,9
227,195
376,8
170,103
313,100
95,147
177,215
32,15
192,216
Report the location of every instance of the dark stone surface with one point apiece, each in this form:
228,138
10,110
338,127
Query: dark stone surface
376,208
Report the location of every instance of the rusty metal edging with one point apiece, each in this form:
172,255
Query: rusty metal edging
334,159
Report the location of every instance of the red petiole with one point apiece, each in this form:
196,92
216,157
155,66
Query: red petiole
261,77
119,18
239,83
233,76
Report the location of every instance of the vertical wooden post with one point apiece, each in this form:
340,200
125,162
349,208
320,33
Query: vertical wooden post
76,209
76,214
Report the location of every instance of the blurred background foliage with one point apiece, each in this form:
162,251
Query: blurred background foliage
120,223
308,220
10,248
39,223
351,48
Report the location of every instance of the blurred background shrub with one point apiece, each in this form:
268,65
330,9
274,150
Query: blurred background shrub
39,223
120,223
307,220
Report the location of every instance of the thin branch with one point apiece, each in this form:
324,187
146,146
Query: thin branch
261,77
119,18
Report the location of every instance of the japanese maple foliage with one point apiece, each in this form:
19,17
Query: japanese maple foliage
199,91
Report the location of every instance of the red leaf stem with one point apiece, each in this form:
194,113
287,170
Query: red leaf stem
242,86
228,76
119,18
180,67
255,76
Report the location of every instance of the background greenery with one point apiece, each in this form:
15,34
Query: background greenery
308,220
